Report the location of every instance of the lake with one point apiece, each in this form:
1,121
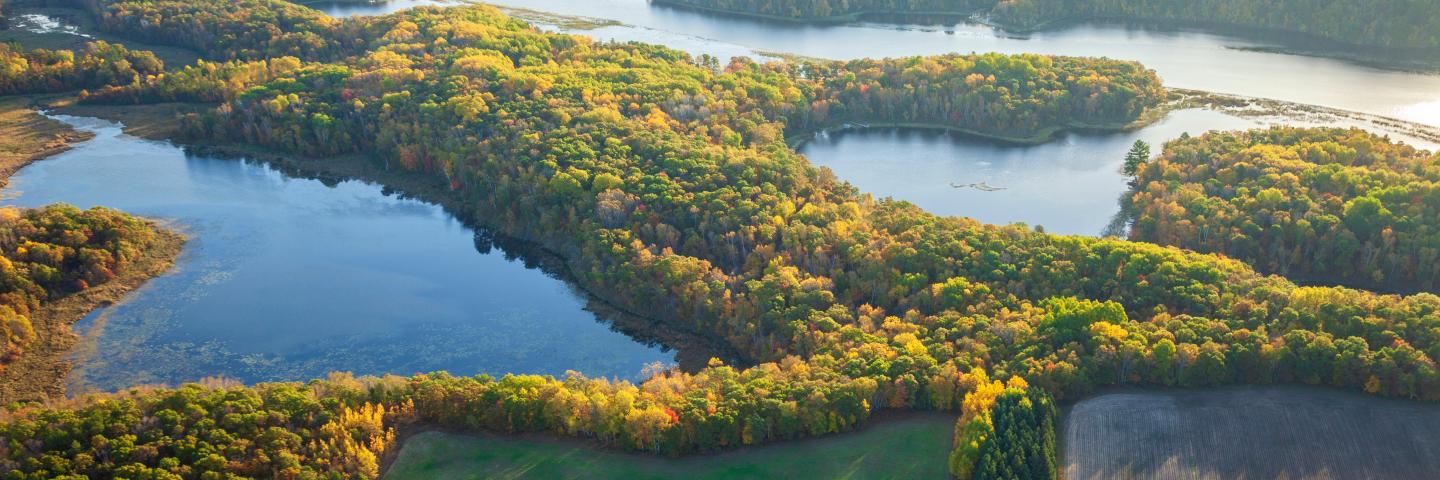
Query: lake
1185,58
1071,185
289,278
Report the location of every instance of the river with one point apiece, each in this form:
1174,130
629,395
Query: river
288,278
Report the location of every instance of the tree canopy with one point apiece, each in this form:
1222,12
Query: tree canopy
1399,24
48,253
666,184
1324,205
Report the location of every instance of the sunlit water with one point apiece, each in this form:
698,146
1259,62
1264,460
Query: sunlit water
289,278
1071,185
1185,58
44,24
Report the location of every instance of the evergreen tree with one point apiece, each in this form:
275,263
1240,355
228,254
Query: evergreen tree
1139,154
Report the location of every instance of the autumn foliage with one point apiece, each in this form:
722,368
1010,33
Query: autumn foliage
666,183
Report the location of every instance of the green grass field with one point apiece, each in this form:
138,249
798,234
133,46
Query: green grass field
912,447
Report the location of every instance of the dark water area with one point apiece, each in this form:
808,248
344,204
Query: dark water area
289,278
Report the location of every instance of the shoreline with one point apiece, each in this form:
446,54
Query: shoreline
1043,136
27,137
157,122
39,375
693,348
1422,60
853,17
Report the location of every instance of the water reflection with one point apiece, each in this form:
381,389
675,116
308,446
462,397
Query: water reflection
289,278
1188,58
1069,186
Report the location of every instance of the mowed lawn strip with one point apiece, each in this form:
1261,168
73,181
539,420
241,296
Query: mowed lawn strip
913,446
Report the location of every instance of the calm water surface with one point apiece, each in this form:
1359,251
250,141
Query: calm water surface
1068,186
1071,185
1185,58
289,278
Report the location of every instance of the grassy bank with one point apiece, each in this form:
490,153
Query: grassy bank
174,57
912,446
27,136
155,121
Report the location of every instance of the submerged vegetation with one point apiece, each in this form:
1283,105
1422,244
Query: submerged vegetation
1400,24
1326,205
56,264
56,251
666,184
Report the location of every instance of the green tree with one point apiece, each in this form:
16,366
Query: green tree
1138,155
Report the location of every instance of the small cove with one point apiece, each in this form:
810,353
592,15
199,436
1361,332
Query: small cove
289,278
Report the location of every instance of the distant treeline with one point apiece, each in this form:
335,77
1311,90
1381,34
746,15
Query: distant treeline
1326,205
835,9
98,64
1407,24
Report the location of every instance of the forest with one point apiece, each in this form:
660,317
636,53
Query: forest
834,9
1399,24
48,253
99,64
666,183
1325,205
